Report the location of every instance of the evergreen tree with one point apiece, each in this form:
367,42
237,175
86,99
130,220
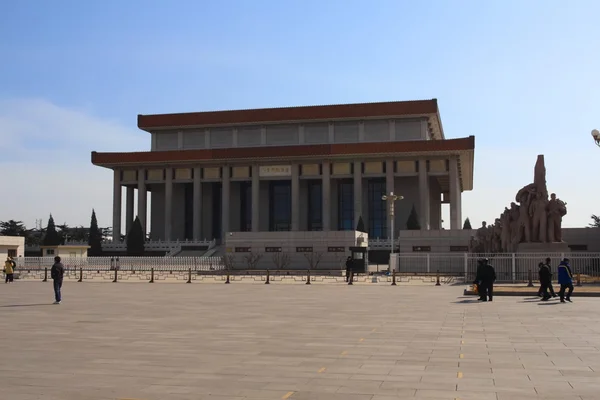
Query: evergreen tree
52,238
12,228
95,237
135,239
360,226
467,224
412,224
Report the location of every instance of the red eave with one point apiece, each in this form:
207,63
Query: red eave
327,112
320,150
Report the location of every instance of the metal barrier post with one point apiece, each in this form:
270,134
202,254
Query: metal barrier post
116,276
189,276
151,275
530,278
308,277
267,281
394,278
45,275
437,278
117,264
579,279
80,275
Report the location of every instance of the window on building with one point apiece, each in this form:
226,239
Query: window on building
50,252
377,209
12,253
346,205
315,206
280,205
245,206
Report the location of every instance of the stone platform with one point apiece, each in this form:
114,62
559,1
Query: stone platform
292,342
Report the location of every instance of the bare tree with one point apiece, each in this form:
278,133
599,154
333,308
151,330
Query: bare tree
340,260
281,260
252,259
313,259
228,260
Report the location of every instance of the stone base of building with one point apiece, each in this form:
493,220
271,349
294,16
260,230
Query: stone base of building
558,247
300,250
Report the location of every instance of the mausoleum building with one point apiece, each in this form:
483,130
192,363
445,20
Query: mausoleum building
317,168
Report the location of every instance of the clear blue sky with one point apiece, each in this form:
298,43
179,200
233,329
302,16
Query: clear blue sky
522,76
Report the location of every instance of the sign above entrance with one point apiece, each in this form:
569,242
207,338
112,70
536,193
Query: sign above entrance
267,171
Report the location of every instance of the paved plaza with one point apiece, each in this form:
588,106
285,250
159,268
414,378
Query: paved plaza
297,342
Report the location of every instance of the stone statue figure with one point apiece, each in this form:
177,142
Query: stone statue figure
496,245
556,209
537,211
530,218
505,230
515,226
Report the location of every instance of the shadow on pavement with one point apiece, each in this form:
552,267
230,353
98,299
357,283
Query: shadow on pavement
26,305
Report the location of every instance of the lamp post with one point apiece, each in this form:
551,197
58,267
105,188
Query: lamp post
596,136
391,198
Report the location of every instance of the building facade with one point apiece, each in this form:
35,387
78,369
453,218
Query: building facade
317,168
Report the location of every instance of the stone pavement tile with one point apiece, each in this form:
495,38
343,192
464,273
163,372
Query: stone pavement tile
329,396
453,395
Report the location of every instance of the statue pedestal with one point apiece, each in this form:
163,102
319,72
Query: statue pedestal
557,247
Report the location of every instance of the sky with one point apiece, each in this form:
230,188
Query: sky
523,77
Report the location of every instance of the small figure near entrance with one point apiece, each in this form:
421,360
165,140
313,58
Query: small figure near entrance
565,279
486,276
348,268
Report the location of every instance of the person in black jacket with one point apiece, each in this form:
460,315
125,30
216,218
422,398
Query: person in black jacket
477,281
348,268
545,274
486,277
57,272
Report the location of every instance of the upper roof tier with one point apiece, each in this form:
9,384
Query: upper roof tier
402,109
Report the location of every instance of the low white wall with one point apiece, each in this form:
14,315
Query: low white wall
292,244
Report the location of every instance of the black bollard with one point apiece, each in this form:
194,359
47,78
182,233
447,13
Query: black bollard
80,275
530,278
116,272
45,275
437,279
189,276
394,278
151,275
308,277
267,281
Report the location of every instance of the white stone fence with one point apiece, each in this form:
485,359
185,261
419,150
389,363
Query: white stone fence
124,263
510,267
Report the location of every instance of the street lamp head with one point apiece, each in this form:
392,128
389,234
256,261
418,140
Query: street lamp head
384,197
596,135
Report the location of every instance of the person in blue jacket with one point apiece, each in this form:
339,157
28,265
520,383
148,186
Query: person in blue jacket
565,279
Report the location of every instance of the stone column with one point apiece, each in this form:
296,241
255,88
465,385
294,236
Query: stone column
116,206
142,199
357,192
326,204
389,187
295,197
424,196
129,209
455,195
168,203
255,199
197,207
225,193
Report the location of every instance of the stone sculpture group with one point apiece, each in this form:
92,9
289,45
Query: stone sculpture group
535,219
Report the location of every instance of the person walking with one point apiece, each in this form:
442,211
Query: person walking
57,272
545,281
487,277
565,279
478,275
9,270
